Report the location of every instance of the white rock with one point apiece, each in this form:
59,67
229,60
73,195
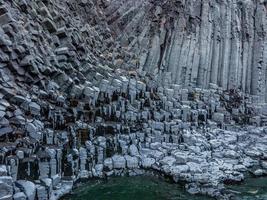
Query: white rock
133,150
132,162
3,170
98,170
41,192
147,162
119,162
178,169
194,167
259,172
20,154
19,196
28,187
168,160
108,163
181,157
6,190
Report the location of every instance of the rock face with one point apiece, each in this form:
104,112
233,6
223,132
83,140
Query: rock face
197,42
92,88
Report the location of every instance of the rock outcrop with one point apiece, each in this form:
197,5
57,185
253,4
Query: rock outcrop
197,42
93,88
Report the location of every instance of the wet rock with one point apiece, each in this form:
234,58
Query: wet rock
28,188
147,162
6,191
3,170
108,163
98,170
119,162
19,196
131,162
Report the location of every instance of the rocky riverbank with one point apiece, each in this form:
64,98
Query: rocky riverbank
128,124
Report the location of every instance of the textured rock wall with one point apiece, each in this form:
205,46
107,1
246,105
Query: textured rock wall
197,41
69,111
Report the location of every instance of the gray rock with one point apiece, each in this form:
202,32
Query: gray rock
119,162
2,114
50,25
147,162
28,188
19,196
5,130
34,108
131,162
133,150
3,170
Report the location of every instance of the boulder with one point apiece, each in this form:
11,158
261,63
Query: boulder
50,25
119,162
147,162
108,163
34,108
28,188
3,170
133,150
132,162
19,196
6,190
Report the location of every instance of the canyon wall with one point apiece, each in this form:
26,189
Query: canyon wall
100,88
197,42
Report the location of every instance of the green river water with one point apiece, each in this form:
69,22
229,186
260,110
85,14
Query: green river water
152,188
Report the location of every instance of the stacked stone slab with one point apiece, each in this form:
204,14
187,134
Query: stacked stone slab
196,42
68,111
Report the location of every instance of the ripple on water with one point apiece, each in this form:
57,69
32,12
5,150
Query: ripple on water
252,189
152,188
132,188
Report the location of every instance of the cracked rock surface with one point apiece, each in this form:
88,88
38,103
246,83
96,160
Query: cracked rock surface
98,88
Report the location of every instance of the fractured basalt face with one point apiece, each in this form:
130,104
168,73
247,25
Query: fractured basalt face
197,42
94,88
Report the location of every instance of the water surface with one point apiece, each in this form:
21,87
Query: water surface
132,188
153,188
252,189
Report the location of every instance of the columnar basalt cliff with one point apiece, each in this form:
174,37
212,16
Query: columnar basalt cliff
197,42
98,88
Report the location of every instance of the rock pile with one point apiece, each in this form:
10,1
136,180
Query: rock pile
125,125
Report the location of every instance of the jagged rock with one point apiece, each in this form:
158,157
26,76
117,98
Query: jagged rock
2,114
5,130
98,170
51,27
3,170
41,192
133,151
34,108
148,162
28,188
6,189
112,87
131,162
119,162
19,196
5,19
108,163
